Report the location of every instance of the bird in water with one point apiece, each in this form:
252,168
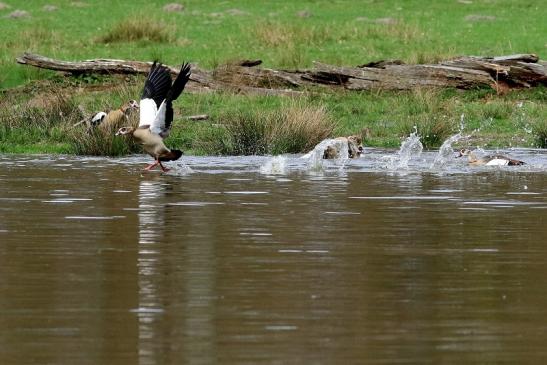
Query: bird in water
156,113
493,160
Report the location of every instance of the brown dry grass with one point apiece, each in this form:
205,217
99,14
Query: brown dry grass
139,28
103,141
293,128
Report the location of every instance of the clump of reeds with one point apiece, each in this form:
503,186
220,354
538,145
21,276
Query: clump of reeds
38,122
102,141
56,118
293,128
138,28
433,131
539,130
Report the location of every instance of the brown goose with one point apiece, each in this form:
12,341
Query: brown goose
494,160
355,147
114,119
156,113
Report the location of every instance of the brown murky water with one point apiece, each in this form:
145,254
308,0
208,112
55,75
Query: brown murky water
103,264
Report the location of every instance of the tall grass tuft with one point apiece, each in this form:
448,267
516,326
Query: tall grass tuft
36,124
103,141
293,128
433,131
539,131
138,28
47,123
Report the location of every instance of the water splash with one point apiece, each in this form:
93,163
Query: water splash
315,157
274,166
180,169
446,152
411,147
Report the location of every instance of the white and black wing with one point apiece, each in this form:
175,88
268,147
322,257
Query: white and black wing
97,118
164,116
156,88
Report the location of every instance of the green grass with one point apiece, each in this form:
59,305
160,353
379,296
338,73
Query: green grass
293,127
515,119
211,33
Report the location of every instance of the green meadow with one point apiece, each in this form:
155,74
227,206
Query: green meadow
284,34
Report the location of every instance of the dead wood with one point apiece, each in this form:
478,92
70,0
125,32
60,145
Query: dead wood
500,73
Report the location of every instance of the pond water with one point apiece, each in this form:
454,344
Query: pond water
258,260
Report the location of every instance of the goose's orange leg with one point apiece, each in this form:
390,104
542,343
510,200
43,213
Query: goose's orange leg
151,166
163,168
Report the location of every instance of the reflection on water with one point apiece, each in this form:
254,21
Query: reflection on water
258,261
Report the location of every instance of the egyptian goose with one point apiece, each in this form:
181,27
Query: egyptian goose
114,119
354,143
494,160
156,113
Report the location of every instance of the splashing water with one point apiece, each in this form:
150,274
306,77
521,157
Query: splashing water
411,147
180,168
274,166
315,157
446,153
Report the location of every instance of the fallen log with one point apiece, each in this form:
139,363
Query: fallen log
398,77
256,77
500,73
104,66
516,70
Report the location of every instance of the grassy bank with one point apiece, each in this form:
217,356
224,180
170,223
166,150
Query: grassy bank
283,34
36,120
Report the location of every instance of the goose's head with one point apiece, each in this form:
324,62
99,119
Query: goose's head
125,130
355,146
130,106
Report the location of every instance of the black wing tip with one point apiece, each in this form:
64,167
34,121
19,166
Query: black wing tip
186,70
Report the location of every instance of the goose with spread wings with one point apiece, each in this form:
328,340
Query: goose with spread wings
156,113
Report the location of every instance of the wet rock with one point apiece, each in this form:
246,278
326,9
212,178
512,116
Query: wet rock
79,4
479,18
18,14
49,8
304,14
173,7
386,21
236,12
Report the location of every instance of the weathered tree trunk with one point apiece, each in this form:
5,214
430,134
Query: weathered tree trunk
104,66
515,70
398,77
501,73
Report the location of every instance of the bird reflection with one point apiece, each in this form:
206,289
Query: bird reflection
151,219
